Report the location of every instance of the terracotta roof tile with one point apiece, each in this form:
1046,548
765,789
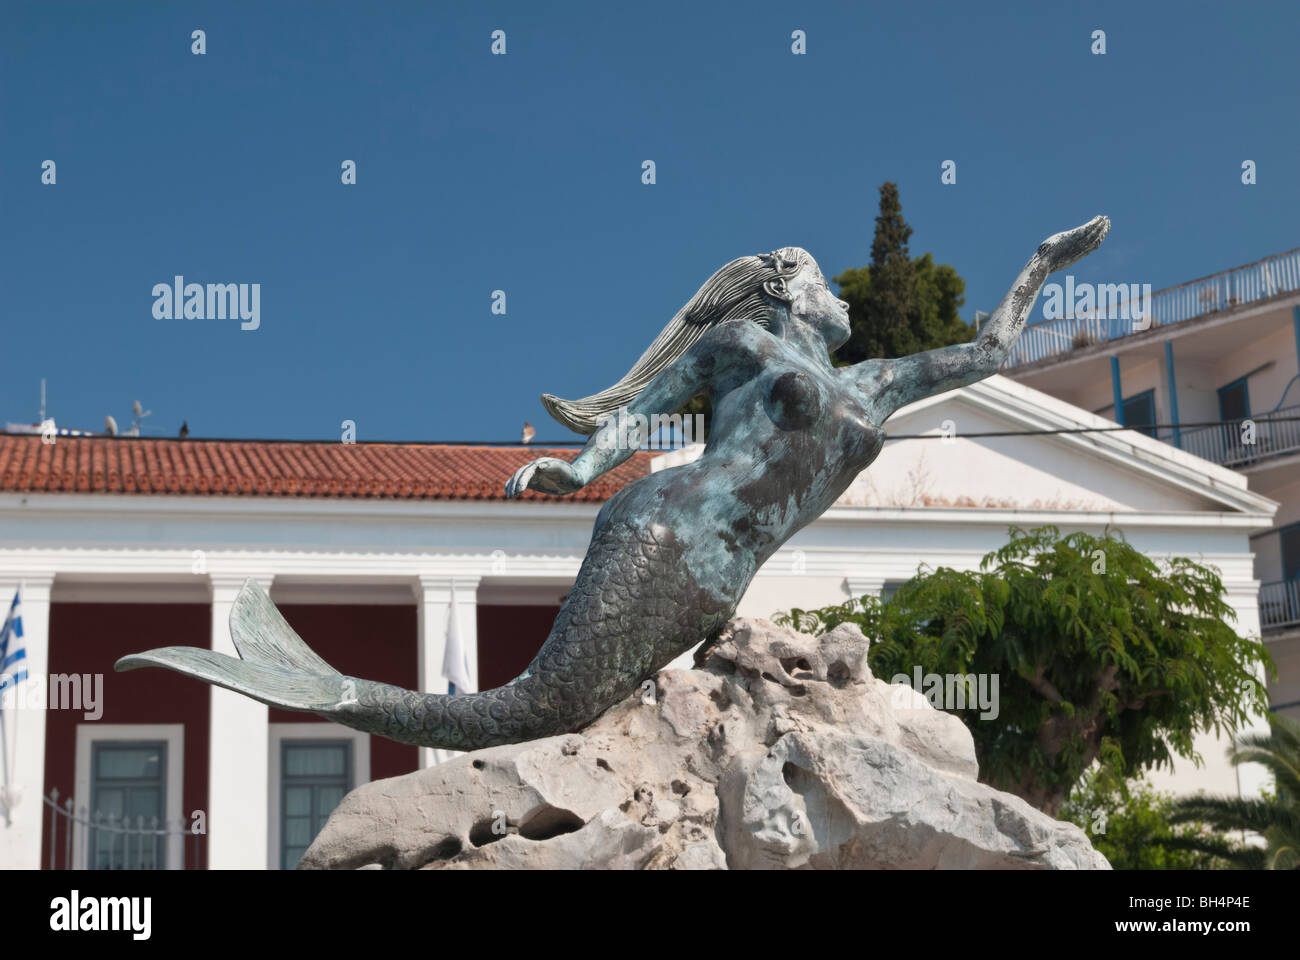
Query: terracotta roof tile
271,468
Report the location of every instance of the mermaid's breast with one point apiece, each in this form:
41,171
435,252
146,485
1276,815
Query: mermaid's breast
795,401
860,438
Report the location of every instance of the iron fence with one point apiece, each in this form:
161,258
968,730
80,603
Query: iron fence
99,841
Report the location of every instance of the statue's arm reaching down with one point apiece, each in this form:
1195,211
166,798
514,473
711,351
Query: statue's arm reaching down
896,383
614,441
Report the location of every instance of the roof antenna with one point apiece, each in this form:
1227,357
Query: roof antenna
110,425
140,413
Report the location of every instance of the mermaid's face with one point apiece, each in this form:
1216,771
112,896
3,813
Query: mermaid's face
812,303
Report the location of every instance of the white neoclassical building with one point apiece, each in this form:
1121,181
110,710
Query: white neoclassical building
125,544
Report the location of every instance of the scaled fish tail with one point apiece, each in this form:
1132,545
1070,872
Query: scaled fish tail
274,666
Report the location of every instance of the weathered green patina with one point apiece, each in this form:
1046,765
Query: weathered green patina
672,553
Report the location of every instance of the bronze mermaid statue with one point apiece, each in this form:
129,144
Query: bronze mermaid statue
673,552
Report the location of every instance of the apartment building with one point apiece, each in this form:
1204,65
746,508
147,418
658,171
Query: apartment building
1212,367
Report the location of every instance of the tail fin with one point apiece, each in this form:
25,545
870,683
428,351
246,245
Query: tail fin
262,635
276,666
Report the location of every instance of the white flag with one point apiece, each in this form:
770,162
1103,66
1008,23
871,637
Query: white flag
455,665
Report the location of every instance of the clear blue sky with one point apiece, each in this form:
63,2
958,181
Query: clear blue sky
523,173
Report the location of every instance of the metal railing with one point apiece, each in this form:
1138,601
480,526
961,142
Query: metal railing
1279,604
1279,273
106,842
1232,444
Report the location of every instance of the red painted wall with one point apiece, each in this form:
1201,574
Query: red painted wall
88,638
374,642
368,641
508,639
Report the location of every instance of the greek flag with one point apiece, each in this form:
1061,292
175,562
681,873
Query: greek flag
13,652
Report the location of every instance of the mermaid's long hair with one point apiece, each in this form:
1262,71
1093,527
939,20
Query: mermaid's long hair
747,288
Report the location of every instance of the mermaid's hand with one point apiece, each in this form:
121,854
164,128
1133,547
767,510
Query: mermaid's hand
1062,249
547,475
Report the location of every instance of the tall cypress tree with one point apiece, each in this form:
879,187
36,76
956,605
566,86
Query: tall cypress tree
892,231
899,305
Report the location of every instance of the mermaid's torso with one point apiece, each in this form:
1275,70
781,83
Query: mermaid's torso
792,440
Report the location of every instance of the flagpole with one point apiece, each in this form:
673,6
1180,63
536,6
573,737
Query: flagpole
22,591
4,733
4,762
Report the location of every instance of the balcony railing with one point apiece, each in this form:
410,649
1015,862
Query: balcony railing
1225,443
1279,604
1255,281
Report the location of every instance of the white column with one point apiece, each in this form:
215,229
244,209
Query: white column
1252,778
433,608
238,761
20,839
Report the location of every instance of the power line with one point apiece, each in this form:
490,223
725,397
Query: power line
1138,428
545,444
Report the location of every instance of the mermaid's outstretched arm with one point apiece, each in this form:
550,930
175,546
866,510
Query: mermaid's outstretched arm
619,436
896,383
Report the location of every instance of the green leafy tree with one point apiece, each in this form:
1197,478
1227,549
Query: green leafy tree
1274,817
1101,654
899,305
1129,823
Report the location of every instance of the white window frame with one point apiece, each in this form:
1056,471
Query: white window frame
173,734
278,733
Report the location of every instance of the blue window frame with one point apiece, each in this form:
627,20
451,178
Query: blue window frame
1140,411
128,779
1234,400
314,776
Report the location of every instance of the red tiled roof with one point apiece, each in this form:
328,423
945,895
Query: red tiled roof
269,468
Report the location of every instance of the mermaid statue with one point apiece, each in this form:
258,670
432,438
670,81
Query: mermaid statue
673,552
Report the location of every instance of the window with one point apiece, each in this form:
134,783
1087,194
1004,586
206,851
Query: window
280,735
128,780
314,776
1234,401
1140,411
889,589
112,780
1290,537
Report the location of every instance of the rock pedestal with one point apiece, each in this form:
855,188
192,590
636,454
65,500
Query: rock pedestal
778,751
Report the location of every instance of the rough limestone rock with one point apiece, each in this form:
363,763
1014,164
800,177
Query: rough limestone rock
778,751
